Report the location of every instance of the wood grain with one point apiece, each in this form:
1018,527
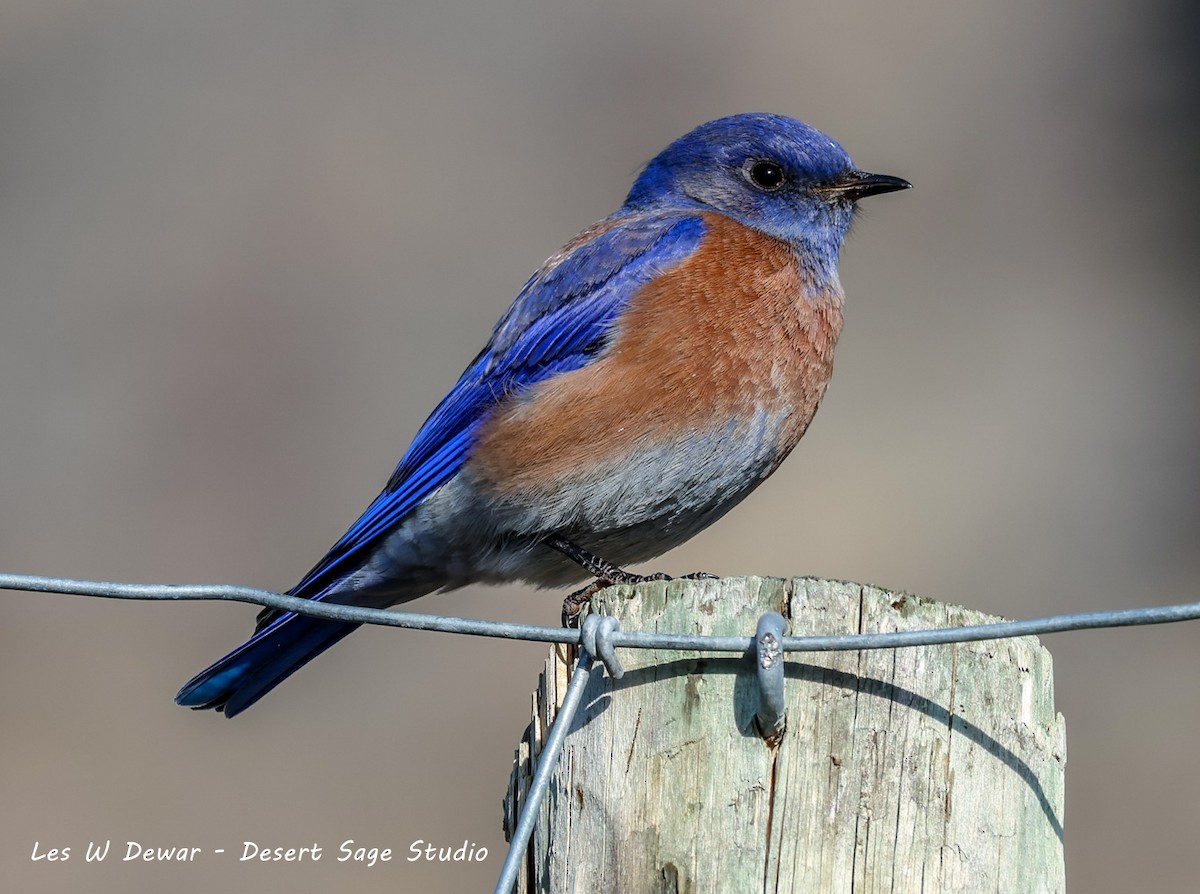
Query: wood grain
933,769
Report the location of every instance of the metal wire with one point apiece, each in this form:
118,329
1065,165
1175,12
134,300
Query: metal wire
551,751
622,639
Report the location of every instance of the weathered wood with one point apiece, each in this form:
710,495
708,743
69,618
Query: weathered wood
932,769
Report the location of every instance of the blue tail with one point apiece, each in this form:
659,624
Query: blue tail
277,650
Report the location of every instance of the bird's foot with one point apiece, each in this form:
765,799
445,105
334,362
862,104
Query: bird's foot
573,605
606,574
593,564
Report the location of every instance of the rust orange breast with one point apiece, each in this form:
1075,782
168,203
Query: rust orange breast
738,329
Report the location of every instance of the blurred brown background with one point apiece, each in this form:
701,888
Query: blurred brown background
246,246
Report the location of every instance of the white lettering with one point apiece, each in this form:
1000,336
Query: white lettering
368,855
467,852
53,855
252,851
135,851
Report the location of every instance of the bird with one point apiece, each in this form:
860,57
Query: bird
649,376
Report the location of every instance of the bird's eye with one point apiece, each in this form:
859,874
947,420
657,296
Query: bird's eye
766,175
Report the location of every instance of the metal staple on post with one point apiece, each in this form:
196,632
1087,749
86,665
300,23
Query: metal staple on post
771,717
596,637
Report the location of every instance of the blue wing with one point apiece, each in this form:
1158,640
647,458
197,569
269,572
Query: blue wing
560,321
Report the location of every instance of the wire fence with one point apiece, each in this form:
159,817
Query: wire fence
598,638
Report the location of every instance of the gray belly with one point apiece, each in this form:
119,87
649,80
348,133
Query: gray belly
626,512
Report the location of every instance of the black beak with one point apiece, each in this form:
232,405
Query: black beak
855,185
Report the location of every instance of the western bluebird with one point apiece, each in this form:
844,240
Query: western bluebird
648,377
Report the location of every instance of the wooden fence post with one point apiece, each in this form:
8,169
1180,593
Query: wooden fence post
930,769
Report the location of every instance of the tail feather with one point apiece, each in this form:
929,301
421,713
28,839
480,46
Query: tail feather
274,653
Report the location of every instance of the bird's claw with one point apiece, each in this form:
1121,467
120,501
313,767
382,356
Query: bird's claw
573,606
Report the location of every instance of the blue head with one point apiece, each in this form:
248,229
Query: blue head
772,173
